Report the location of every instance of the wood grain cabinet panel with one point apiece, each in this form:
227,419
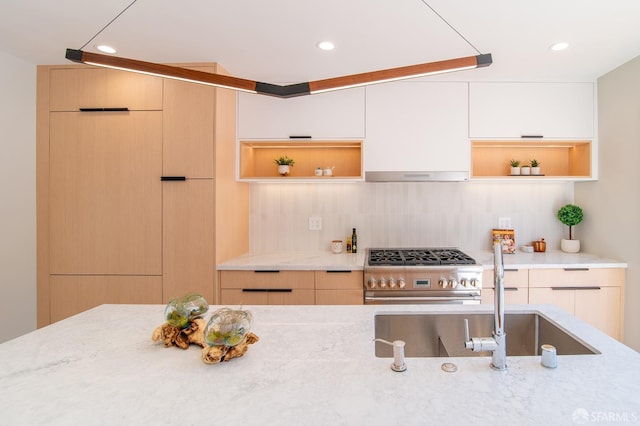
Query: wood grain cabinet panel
105,210
335,287
73,294
267,287
90,87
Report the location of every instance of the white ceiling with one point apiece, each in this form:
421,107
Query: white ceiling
274,41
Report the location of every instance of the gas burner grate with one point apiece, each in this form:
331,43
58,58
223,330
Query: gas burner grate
417,257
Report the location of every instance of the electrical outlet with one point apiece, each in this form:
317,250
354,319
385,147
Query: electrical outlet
315,223
504,223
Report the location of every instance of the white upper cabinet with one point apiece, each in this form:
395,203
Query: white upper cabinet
514,110
330,115
417,126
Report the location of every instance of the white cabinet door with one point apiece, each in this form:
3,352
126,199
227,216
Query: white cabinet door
417,126
551,110
330,115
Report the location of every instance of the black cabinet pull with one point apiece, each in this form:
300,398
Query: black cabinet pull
575,288
170,178
266,271
338,271
254,290
103,109
299,137
267,290
576,269
511,270
531,136
511,289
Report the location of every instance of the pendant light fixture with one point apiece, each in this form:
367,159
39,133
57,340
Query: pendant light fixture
281,91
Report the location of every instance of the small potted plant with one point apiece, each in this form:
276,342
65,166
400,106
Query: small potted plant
570,215
515,167
284,165
535,167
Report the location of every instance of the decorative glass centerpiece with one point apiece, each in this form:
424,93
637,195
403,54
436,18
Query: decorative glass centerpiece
227,327
181,311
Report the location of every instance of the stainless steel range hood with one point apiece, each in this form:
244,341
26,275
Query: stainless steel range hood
416,176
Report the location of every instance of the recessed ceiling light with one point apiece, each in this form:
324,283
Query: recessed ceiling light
106,49
326,45
559,46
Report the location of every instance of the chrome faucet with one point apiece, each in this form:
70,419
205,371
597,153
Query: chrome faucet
498,343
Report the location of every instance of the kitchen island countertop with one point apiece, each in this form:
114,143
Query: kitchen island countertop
313,365
323,260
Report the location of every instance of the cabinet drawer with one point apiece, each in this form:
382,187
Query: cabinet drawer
340,297
339,280
236,296
516,278
576,277
512,296
267,279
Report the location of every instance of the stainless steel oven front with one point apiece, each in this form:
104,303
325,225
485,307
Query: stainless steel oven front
422,284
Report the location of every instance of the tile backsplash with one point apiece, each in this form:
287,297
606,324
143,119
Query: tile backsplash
436,214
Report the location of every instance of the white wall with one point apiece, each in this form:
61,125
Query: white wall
459,214
612,204
18,197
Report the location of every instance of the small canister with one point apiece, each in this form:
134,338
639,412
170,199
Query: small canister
540,246
549,356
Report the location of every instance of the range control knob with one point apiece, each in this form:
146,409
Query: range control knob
401,283
392,283
474,283
465,283
452,284
382,283
372,282
442,283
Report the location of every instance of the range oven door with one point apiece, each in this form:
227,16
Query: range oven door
421,298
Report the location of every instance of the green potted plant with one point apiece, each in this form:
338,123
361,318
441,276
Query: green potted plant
535,167
570,215
515,167
284,165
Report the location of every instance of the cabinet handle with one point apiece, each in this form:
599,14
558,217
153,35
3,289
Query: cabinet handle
511,270
170,178
531,136
266,271
511,289
103,109
267,290
576,288
576,269
299,137
338,271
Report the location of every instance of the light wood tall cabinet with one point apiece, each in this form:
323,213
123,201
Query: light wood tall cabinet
110,230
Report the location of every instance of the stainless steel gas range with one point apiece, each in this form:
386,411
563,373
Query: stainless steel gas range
422,276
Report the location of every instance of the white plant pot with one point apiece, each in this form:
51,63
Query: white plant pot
515,171
525,170
570,246
535,171
283,169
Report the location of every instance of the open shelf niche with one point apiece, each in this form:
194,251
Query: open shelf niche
256,159
558,159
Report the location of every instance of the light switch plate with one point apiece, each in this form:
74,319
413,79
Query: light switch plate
315,223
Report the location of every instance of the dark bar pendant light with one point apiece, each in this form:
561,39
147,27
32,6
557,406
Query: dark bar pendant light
286,91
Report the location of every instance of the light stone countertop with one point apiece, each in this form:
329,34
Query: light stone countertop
323,260
313,365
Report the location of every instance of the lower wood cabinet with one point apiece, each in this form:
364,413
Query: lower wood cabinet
273,287
593,295
267,287
70,294
339,287
516,286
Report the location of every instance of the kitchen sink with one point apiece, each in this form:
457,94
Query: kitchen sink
442,334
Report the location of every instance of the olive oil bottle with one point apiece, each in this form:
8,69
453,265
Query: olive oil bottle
354,241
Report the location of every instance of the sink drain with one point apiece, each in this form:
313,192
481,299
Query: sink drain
449,367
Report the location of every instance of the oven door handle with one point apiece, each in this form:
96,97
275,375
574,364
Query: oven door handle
422,298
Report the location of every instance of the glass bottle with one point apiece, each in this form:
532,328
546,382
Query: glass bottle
354,241
348,244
